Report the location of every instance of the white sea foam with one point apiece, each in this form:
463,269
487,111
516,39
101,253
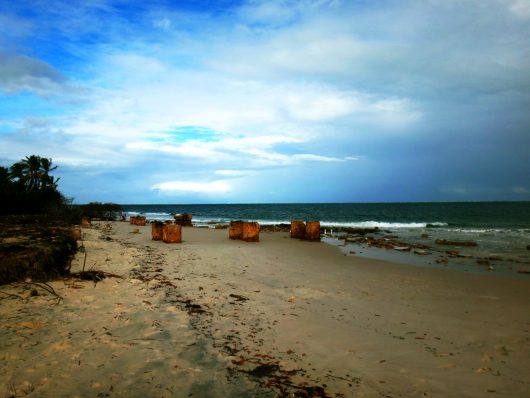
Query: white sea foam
380,224
325,223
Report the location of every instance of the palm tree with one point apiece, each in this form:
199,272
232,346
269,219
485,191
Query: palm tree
46,179
33,173
4,176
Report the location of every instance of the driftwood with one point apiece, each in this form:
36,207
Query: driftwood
42,285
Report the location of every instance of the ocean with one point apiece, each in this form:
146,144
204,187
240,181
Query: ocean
500,229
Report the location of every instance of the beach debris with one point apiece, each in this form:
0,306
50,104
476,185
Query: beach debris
264,370
402,248
282,227
135,231
183,220
94,275
76,233
12,295
275,377
172,233
193,308
523,271
443,260
138,220
86,222
446,242
41,285
422,252
297,229
494,257
239,297
483,261
157,230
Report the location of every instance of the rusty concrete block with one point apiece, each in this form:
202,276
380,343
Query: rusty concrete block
157,230
312,231
183,219
172,233
298,229
235,231
250,232
76,233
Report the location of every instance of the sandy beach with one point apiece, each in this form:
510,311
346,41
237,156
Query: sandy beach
212,317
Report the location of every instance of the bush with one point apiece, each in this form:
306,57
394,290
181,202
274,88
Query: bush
103,211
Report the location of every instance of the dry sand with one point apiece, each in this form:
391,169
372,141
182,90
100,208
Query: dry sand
211,317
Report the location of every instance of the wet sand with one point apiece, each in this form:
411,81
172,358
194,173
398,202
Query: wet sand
211,317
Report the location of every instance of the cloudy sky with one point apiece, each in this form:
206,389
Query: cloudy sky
270,101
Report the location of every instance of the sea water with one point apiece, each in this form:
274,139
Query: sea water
500,229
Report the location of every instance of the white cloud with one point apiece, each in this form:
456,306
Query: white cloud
316,158
278,83
520,8
233,173
163,23
172,187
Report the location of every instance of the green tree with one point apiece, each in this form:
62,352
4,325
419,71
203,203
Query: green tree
33,173
28,188
4,176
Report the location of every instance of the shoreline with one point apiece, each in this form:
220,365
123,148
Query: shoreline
503,251
228,318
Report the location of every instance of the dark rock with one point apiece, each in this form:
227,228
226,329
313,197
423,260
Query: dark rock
183,220
359,231
455,242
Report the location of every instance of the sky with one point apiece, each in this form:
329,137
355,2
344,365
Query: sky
266,101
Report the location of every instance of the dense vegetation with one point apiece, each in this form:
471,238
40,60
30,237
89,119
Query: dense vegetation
103,211
36,238
28,188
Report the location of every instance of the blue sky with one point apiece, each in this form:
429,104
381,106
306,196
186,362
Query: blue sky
270,101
